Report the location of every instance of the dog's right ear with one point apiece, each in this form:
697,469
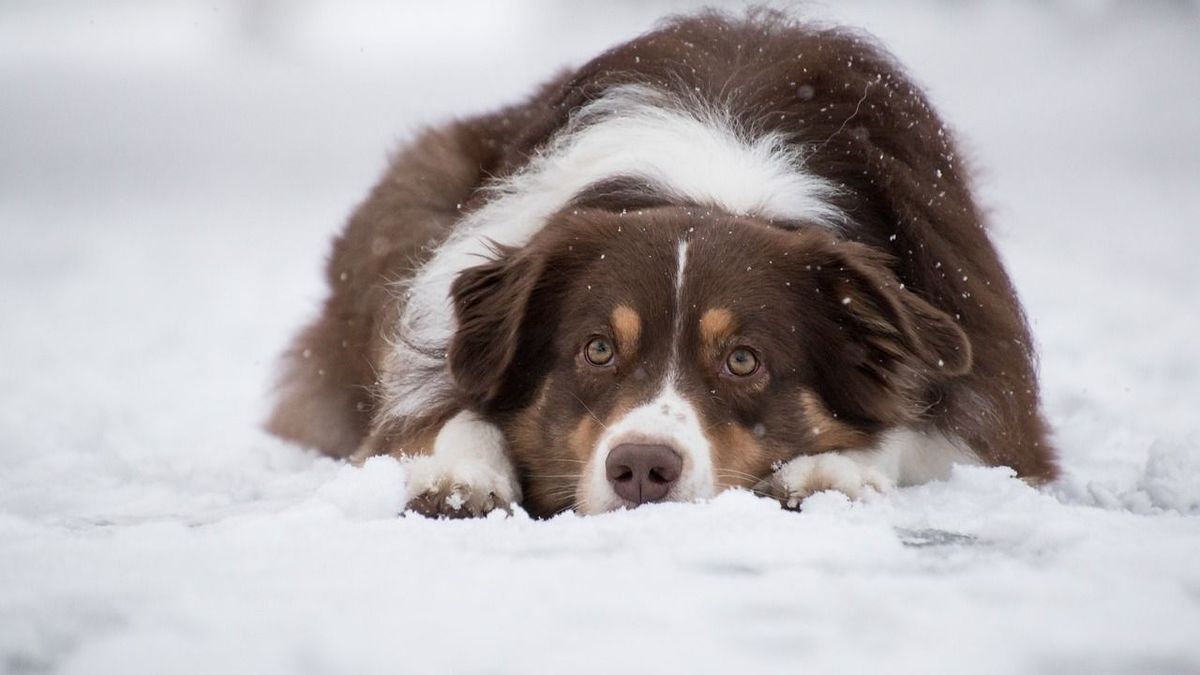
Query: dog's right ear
492,304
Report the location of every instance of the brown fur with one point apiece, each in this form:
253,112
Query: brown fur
739,457
828,432
325,393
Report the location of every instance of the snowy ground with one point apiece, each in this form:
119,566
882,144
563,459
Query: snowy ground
170,175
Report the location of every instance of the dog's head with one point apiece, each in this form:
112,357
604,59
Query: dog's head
668,354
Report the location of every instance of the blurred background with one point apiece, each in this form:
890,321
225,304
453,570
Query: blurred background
171,174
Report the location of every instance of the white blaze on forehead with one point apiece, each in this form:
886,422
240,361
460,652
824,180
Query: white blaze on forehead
681,264
677,334
668,419
688,150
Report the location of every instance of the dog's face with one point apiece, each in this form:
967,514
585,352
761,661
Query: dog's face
668,354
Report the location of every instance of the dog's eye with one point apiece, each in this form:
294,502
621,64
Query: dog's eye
741,362
598,352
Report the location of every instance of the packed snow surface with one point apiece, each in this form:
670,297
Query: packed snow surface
170,175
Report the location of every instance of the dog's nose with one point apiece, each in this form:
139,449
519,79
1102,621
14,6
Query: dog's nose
643,473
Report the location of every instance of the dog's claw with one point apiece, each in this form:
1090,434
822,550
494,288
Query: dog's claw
443,497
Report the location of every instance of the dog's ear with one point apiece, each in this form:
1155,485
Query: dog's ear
892,344
871,296
493,303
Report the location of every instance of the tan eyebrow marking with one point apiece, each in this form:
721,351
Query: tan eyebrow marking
716,324
628,327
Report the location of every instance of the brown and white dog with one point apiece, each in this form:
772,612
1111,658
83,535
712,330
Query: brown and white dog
733,252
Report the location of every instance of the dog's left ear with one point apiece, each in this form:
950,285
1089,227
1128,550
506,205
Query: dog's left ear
876,301
879,345
489,353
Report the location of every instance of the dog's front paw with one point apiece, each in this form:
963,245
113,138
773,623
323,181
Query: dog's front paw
461,489
808,475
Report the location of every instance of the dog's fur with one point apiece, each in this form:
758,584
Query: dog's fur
714,185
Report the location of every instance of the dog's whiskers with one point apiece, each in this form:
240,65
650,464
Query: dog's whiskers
739,479
572,506
589,411
738,474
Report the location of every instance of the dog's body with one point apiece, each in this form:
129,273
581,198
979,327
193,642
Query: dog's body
727,253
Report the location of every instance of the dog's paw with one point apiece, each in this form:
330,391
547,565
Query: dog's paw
462,489
808,475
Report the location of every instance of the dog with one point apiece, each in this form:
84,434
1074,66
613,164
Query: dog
734,252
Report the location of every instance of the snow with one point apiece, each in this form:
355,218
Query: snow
170,176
